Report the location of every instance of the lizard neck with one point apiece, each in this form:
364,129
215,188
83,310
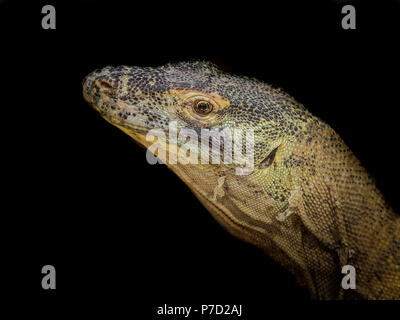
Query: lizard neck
320,214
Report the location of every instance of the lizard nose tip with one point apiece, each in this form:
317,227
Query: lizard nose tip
87,81
100,81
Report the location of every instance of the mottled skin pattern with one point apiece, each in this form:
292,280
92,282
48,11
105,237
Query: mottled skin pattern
308,203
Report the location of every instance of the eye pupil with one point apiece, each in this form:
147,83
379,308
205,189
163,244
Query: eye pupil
203,107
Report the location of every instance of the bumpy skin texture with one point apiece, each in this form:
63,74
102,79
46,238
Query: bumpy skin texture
308,204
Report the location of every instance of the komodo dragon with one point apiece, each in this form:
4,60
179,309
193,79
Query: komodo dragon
308,202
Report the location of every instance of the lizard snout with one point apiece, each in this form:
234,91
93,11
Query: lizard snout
105,86
94,86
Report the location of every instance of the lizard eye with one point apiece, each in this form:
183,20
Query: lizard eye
202,107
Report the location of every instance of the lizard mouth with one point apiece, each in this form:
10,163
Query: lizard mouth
115,112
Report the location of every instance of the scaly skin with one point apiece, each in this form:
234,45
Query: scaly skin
308,203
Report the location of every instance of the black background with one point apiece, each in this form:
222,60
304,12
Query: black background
126,236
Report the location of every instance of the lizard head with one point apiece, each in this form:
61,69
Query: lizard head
194,96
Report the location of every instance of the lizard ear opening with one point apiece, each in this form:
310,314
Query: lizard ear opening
268,160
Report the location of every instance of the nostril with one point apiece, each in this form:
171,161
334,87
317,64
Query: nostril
105,84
